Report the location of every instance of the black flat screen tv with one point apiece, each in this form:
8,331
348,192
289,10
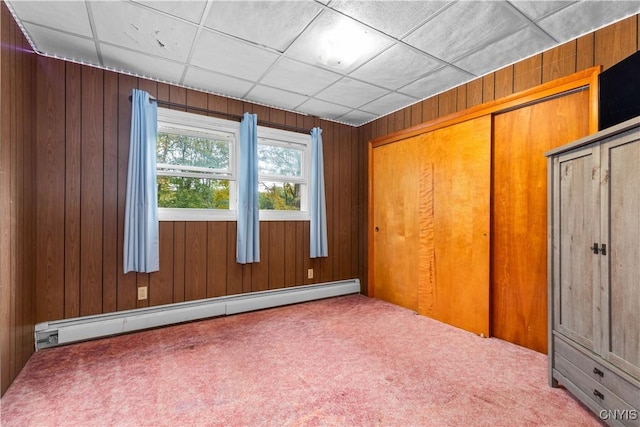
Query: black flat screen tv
620,92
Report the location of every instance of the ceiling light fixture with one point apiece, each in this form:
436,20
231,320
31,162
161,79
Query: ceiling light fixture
342,45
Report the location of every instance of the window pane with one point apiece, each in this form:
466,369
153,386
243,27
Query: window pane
282,161
187,150
279,196
196,193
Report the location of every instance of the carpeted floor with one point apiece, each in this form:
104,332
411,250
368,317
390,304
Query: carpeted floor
347,361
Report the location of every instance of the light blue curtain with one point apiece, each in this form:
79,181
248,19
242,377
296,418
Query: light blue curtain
317,207
248,244
141,251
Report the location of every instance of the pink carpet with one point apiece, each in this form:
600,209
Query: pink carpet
347,361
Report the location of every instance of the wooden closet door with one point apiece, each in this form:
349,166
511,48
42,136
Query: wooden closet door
519,212
456,290
431,223
396,194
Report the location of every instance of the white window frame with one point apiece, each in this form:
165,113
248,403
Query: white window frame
169,120
284,138
180,120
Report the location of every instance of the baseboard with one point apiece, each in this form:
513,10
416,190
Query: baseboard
60,332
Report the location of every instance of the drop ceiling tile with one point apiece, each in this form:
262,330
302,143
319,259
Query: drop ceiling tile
323,109
142,29
275,97
440,80
357,117
517,46
586,16
298,77
396,67
388,103
275,24
352,93
537,9
464,27
69,16
217,83
394,18
191,10
53,42
138,63
220,53
312,45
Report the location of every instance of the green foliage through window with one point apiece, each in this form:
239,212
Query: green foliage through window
279,196
196,193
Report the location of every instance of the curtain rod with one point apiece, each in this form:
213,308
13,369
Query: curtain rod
227,115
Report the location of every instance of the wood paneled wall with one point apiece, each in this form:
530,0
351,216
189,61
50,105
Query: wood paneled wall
83,133
62,198
17,284
605,47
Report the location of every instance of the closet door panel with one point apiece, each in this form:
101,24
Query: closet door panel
519,211
458,284
396,221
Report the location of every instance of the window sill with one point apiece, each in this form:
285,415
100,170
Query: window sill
172,214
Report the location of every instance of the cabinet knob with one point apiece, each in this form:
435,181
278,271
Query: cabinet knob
598,372
596,393
595,248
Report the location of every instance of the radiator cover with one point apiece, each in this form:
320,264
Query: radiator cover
60,332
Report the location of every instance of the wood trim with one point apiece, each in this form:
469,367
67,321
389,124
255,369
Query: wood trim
576,80
369,222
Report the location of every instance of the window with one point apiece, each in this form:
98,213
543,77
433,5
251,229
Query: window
283,172
196,166
197,160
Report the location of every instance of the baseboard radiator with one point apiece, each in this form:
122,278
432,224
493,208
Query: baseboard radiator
60,332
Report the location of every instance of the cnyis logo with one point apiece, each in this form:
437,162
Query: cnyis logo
619,414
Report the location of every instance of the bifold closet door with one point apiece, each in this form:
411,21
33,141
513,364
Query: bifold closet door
519,212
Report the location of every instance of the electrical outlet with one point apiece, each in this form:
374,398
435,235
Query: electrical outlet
310,273
142,293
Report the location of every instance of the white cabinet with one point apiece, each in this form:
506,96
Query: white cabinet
594,271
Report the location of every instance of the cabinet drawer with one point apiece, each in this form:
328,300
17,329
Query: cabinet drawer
625,390
600,395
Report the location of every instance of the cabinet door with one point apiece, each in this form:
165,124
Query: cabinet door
576,228
621,266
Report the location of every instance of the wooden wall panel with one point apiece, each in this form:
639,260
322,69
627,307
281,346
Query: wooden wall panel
503,82
289,253
91,196
195,270
447,102
489,87
474,93
527,73
559,61
179,253
276,254
161,282
217,259
110,195
50,188
616,42
584,55
17,197
429,111
72,190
